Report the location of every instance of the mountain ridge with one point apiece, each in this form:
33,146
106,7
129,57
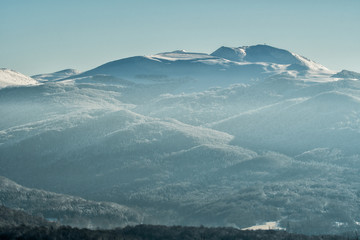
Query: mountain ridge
198,71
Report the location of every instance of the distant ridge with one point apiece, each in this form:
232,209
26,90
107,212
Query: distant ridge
236,65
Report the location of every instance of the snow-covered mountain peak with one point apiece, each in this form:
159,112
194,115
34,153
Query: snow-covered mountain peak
233,54
257,53
269,54
236,65
10,77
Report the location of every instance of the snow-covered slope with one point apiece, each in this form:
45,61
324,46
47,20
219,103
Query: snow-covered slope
9,78
56,75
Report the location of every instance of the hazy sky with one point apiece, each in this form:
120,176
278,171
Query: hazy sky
40,36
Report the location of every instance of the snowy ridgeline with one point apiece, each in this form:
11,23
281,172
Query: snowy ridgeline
239,137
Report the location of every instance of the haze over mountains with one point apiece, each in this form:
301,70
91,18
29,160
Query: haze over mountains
239,137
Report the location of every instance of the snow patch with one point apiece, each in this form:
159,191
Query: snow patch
266,226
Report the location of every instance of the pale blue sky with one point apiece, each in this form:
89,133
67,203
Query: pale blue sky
38,36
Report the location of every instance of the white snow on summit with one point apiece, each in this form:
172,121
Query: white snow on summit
268,54
12,78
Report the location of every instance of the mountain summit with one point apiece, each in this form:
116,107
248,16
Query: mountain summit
223,67
268,54
257,53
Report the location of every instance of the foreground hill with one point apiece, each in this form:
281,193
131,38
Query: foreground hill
147,232
61,208
11,218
